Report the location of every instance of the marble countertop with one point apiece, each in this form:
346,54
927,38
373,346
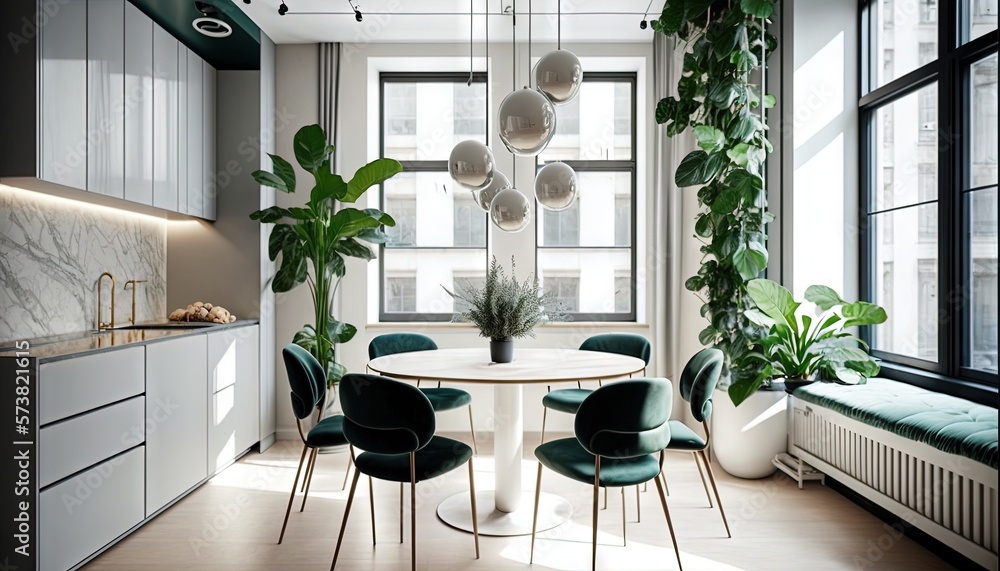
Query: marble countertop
58,347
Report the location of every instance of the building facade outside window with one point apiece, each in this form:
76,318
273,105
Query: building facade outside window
587,251
929,182
439,232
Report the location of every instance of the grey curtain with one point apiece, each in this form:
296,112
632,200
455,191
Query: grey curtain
329,89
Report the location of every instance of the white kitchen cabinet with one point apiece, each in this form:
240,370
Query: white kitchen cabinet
233,384
166,117
211,190
195,182
84,513
106,97
138,106
63,113
183,139
72,386
176,413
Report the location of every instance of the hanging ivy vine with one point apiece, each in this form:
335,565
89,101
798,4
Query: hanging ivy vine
726,43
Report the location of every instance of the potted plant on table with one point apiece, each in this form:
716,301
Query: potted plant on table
314,239
504,309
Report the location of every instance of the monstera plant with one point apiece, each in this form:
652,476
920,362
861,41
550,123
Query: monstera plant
726,44
314,239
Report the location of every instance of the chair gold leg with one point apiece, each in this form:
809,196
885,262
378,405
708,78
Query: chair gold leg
371,501
291,498
666,489
711,477
624,540
545,414
413,511
309,466
475,516
670,524
701,473
401,513
347,512
309,478
534,518
472,431
597,484
605,499
638,508
347,472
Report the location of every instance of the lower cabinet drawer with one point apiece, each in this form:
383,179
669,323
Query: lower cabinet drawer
70,446
86,512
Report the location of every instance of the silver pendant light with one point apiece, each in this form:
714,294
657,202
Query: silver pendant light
471,164
556,186
510,210
558,74
485,195
526,119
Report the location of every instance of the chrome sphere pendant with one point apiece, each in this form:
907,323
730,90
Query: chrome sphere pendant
484,196
558,74
555,186
471,164
510,210
527,121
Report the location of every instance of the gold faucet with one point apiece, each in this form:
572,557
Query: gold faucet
100,324
131,319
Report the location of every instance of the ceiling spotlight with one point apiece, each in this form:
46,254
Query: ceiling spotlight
357,10
283,9
642,24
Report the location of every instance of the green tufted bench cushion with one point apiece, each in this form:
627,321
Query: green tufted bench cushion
951,424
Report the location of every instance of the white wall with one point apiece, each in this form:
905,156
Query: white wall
358,143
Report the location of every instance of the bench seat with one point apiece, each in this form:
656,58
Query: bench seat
950,424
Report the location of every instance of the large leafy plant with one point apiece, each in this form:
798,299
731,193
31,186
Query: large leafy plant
726,43
803,347
504,308
314,239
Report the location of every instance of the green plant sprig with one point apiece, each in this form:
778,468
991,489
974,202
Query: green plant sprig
799,346
505,308
726,42
313,240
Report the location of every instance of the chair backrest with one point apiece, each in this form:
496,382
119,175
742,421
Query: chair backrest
629,344
392,343
385,416
698,381
306,378
626,419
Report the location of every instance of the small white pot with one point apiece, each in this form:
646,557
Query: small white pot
746,438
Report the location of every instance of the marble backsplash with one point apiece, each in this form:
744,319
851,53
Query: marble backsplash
51,252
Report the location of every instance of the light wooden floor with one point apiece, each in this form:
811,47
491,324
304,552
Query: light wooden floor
232,523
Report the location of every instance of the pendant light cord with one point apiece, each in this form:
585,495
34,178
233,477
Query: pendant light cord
513,80
529,43
559,24
488,113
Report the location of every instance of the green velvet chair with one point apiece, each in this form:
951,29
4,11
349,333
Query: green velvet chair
394,423
442,399
697,384
569,400
308,383
619,428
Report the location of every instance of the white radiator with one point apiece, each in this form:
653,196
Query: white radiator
950,497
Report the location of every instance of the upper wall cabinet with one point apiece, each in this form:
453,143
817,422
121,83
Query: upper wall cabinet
101,99
106,97
139,106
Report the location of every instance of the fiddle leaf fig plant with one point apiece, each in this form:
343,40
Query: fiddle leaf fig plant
314,239
717,99
798,346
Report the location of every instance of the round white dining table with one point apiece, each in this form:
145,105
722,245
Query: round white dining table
509,507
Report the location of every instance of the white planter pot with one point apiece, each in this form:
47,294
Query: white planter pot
746,438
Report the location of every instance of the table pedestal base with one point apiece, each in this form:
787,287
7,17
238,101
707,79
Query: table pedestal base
456,511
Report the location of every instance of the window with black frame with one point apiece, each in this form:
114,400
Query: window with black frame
440,233
929,182
586,253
